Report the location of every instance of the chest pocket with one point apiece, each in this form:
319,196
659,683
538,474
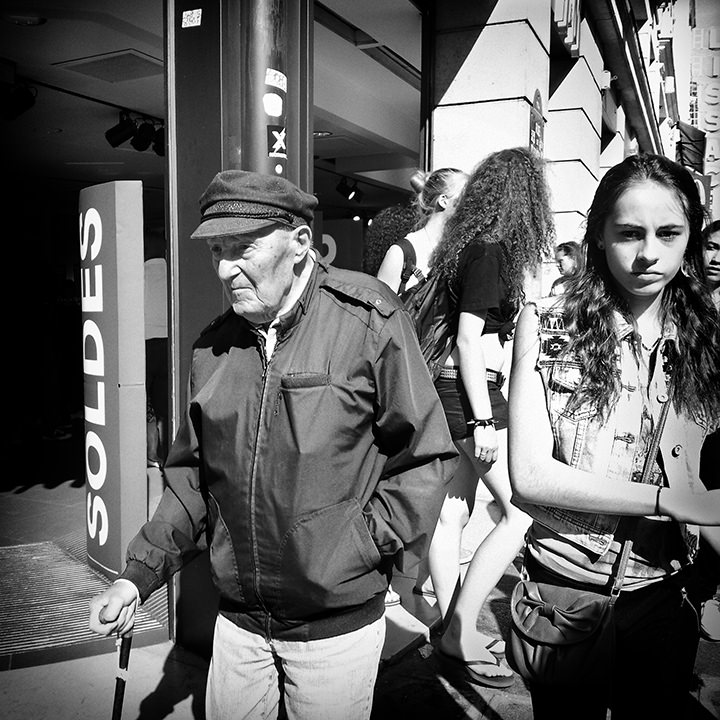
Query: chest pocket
563,379
570,427
305,400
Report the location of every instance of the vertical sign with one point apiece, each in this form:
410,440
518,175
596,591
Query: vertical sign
111,289
705,78
537,125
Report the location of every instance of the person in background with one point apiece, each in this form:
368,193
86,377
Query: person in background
591,372
437,193
312,458
704,590
388,226
501,229
569,259
711,255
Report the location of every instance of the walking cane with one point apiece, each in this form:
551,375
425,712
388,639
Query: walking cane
123,643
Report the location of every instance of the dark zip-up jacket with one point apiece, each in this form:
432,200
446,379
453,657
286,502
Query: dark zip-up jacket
310,473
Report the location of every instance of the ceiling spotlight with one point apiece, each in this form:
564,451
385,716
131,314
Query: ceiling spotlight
121,132
159,141
343,187
143,136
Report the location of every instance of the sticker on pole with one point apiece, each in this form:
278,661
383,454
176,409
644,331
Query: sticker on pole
273,104
276,79
191,18
276,141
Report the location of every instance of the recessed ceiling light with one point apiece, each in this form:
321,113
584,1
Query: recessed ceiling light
321,133
24,20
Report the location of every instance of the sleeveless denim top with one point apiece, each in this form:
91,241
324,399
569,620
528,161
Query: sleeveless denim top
606,446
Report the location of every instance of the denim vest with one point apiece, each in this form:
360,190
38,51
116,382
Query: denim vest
605,446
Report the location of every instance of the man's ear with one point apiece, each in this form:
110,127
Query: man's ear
303,240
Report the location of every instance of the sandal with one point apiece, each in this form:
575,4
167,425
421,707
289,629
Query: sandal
470,669
425,593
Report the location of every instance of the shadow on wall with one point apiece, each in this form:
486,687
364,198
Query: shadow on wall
471,16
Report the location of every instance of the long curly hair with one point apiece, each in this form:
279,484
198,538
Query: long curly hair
592,298
505,202
388,226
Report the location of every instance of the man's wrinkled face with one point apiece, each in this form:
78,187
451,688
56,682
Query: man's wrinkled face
256,270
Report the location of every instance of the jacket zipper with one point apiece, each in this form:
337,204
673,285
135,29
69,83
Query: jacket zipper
253,530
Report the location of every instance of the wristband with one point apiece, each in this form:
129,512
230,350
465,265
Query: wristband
482,422
657,500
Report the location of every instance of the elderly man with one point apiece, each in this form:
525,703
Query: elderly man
313,456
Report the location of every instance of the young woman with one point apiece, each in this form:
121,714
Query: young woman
711,239
436,196
569,259
591,372
500,230
389,226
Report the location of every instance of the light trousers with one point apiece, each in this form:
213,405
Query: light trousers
330,679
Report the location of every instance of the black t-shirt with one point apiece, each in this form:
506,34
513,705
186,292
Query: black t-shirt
481,287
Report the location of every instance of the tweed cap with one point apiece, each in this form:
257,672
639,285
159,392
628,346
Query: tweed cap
238,201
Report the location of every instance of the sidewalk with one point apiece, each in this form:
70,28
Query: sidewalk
167,681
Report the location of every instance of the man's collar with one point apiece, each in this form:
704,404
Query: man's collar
300,308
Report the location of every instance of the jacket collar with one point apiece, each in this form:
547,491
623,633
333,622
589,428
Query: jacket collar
624,329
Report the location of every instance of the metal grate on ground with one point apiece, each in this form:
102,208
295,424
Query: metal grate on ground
44,594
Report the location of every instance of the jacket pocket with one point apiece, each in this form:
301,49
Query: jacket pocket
223,564
328,560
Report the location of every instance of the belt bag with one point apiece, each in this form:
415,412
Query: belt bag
561,635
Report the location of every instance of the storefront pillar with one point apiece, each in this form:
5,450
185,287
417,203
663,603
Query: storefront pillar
489,64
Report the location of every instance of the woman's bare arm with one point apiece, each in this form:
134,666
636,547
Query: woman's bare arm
538,478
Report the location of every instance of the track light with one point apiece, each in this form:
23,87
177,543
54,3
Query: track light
159,141
343,187
121,132
348,191
143,136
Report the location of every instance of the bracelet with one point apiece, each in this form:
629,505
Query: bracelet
478,422
657,500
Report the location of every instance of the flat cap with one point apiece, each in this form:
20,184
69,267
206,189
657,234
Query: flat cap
239,201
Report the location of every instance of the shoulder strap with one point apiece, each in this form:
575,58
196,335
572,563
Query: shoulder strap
647,468
409,262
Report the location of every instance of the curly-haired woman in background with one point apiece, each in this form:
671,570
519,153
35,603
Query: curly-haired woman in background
501,228
389,226
592,370
436,197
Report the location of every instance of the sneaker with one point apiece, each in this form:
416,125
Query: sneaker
710,619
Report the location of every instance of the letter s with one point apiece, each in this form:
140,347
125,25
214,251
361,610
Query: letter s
96,510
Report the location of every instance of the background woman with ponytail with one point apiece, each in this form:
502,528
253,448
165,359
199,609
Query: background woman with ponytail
437,193
591,372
